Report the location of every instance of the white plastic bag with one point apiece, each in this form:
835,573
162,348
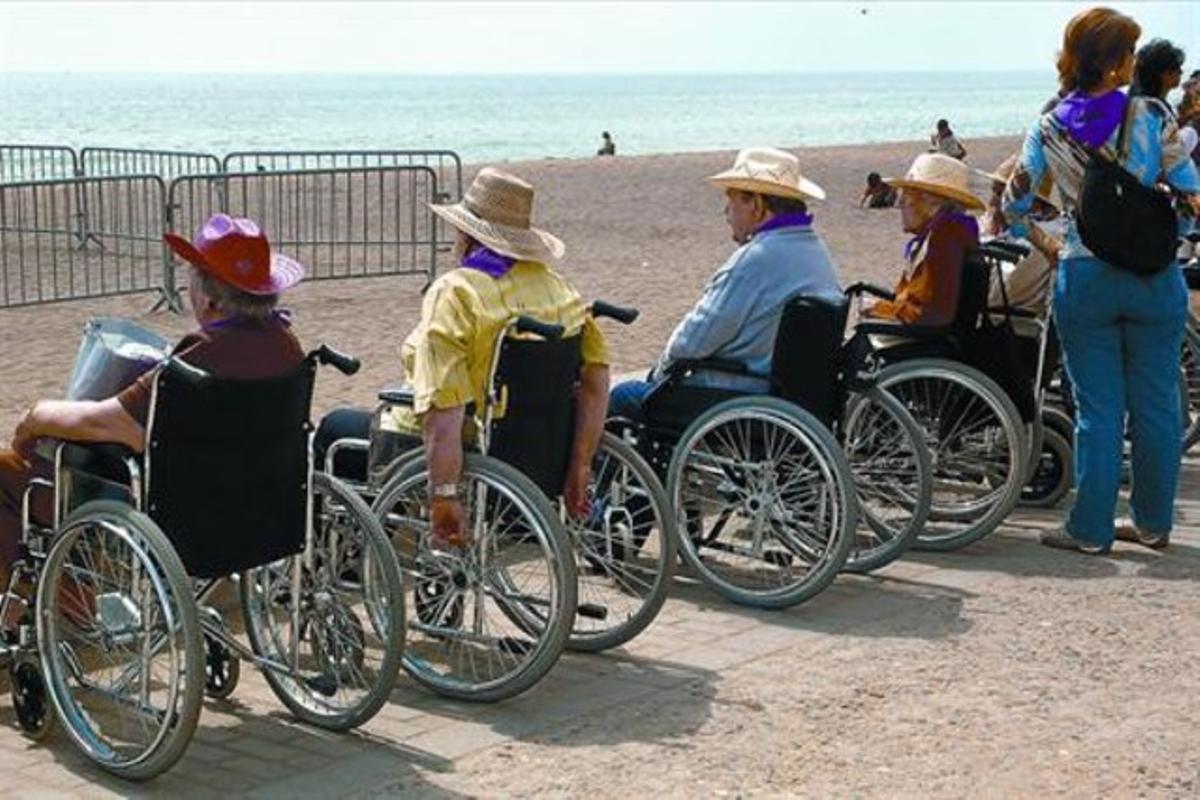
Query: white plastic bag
112,354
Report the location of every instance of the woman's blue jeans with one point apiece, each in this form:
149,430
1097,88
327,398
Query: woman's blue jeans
1121,335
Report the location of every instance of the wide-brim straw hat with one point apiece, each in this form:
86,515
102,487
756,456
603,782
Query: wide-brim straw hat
496,212
940,175
765,170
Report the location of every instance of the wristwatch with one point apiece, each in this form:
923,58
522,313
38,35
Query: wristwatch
443,491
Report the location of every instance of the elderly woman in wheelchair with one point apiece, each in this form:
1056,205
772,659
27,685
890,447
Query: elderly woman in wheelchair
508,362
210,456
954,366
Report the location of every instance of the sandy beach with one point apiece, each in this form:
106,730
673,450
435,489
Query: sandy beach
640,230
1002,671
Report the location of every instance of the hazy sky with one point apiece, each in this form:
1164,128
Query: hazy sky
565,37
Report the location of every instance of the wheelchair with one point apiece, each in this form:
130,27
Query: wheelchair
490,621
120,644
977,404
770,488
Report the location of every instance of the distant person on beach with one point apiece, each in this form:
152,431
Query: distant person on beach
234,286
607,146
944,141
877,194
503,271
1120,332
779,255
935,196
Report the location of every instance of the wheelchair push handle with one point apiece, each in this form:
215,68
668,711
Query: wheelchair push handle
547,330
622,314
347,365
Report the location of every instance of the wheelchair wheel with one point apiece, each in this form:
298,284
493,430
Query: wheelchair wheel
625,549
975,438
493,617
893,477
1190,365
31,704
768,500
1054,473
339,639
120,640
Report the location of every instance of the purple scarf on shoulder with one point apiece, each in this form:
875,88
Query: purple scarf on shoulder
280,316
1091,120
487,261
783,221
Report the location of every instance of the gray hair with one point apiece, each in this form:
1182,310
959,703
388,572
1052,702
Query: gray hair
233,301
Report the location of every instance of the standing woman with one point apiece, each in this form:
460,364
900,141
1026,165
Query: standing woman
1121,332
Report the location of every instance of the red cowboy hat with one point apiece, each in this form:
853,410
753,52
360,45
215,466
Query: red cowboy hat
236,251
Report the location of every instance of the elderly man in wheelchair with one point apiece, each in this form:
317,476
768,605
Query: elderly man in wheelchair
741,412
209,456
508,363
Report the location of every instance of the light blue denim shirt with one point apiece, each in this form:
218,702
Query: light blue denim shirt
738,314
1154,152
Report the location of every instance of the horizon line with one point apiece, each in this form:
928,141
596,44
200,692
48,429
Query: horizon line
555,74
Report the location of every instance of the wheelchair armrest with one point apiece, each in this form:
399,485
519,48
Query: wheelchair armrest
397,395
677,369
902,330
1014,311
1009,251
862,287
104,460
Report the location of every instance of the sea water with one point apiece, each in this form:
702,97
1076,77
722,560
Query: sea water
490,118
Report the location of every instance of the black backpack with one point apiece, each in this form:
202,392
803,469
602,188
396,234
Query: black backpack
1123,222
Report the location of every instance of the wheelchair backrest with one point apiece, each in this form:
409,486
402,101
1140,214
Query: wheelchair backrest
227,466
535,382
806,362
974,284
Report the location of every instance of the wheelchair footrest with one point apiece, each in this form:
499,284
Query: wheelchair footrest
592,611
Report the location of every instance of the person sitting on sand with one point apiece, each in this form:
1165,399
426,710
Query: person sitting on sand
934,196
779,256
945,142
233,285
607,146
877,194
502,273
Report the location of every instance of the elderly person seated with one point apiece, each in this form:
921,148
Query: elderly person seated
934,196
502,273
779,256
233,285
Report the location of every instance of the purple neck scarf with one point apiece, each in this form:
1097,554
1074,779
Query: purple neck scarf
1091,120
914,244
783,221
487,261
280,316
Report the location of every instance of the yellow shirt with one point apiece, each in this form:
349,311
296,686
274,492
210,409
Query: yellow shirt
447,357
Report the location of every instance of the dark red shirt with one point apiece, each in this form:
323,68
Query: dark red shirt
241,350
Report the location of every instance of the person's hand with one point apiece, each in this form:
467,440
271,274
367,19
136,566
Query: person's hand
575,491
447,523
25,438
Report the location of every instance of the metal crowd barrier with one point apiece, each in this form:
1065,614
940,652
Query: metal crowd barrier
340,223
167,164
21,163
52,250
445,162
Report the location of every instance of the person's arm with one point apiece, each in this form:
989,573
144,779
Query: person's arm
78,421
1019,192
442,433
591,407
716,317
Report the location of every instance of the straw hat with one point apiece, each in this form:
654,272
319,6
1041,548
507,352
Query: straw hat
940,175
495,211
765,170
1047,191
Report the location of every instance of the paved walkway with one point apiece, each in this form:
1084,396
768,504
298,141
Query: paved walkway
704,669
